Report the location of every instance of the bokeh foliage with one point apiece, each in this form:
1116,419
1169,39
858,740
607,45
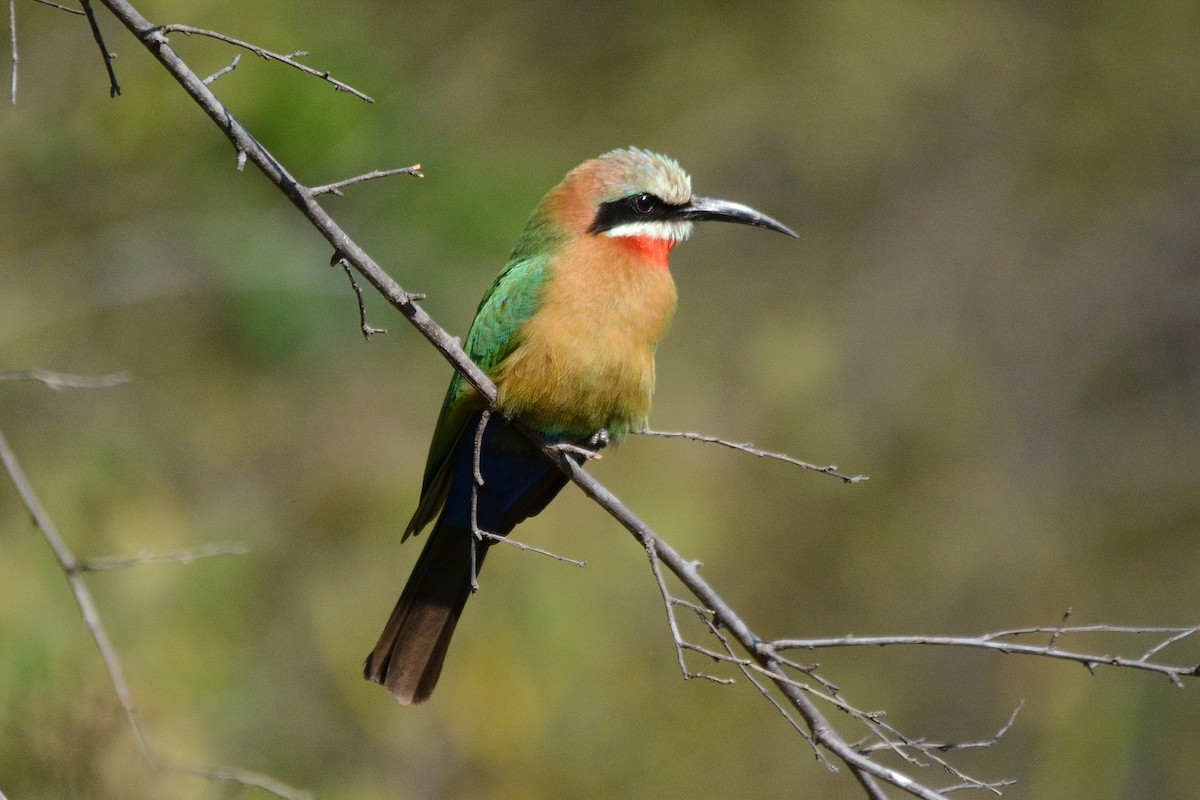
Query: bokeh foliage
993,310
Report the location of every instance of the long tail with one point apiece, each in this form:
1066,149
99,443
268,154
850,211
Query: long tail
518,483
408,658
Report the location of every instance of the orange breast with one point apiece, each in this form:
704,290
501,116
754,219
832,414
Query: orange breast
586,359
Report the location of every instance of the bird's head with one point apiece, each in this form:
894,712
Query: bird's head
642,196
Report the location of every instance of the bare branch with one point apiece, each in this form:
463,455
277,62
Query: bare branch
754,451
186,556
336,188
114,88
994,641
263,53
59,380
74,569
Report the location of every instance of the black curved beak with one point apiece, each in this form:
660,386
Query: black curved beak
712,208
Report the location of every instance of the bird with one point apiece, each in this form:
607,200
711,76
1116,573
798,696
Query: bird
567,332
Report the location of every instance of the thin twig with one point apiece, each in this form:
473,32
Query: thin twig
476,482
114,88
948,746
367,330
991,642
12,35
230,68
265,54
185,556
61,7
59,380
1170,640
245,777
336,188
479,534
745,665
495,537
669,604
1062,623
745,447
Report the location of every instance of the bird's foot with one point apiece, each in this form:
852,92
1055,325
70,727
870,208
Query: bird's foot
599,439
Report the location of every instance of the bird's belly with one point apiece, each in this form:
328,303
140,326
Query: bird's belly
569,389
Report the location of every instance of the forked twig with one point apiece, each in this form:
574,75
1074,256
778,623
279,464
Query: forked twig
263,53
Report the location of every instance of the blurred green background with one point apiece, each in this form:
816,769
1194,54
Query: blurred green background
993,310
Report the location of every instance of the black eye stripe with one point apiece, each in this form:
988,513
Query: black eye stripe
640,207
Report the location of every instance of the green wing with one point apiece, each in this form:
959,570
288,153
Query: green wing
511,300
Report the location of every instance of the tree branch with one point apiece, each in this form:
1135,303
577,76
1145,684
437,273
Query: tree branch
74,569
764,658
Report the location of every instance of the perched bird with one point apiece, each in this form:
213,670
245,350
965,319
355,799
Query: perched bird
567,332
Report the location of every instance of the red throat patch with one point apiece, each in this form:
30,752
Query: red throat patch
653,249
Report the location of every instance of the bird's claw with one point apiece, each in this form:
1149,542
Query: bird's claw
599,439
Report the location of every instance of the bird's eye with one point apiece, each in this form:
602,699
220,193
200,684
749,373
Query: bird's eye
642,203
